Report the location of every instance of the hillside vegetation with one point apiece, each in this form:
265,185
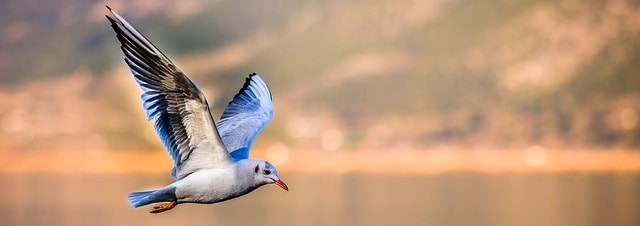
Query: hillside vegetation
344,74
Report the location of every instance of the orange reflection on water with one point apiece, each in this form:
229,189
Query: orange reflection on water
532,159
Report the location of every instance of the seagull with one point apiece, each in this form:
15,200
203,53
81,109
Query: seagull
210,161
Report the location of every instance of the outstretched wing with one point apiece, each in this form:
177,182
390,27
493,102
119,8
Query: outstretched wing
181,113
245,116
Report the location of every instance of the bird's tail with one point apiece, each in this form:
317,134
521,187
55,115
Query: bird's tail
143,198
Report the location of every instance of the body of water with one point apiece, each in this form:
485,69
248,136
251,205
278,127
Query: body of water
332,199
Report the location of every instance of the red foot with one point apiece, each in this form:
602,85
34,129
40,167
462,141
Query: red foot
164,207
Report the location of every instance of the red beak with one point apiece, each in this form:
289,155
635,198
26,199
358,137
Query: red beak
281,184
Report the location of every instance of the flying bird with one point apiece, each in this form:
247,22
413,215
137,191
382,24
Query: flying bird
210,160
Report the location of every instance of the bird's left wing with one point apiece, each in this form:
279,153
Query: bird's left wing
181,113
245,116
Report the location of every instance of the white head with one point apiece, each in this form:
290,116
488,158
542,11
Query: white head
264,173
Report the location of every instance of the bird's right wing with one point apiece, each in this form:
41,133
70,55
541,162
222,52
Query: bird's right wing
245,116
180,110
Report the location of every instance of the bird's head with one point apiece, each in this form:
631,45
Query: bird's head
265,173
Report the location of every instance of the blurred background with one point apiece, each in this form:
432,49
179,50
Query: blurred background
405,112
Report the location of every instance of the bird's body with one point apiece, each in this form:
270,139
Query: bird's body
211,185
211,161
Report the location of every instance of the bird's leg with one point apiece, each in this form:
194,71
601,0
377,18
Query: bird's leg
164,207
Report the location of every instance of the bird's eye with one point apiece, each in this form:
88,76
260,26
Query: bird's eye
256,169
267,172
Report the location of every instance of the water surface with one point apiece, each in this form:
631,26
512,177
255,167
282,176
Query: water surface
352,199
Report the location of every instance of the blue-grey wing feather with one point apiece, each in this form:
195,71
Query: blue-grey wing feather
245,116
180,110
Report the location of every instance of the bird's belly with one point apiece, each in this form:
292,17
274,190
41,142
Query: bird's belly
208,187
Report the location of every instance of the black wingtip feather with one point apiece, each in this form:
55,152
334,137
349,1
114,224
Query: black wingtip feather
245,86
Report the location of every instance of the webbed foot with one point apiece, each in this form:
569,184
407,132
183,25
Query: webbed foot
164,207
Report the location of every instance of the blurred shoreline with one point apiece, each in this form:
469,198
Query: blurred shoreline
421,162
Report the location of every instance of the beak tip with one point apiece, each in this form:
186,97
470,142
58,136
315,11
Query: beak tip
281,184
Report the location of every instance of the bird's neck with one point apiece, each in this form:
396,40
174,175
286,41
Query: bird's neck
246,174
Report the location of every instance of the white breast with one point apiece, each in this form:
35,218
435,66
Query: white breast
208,186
